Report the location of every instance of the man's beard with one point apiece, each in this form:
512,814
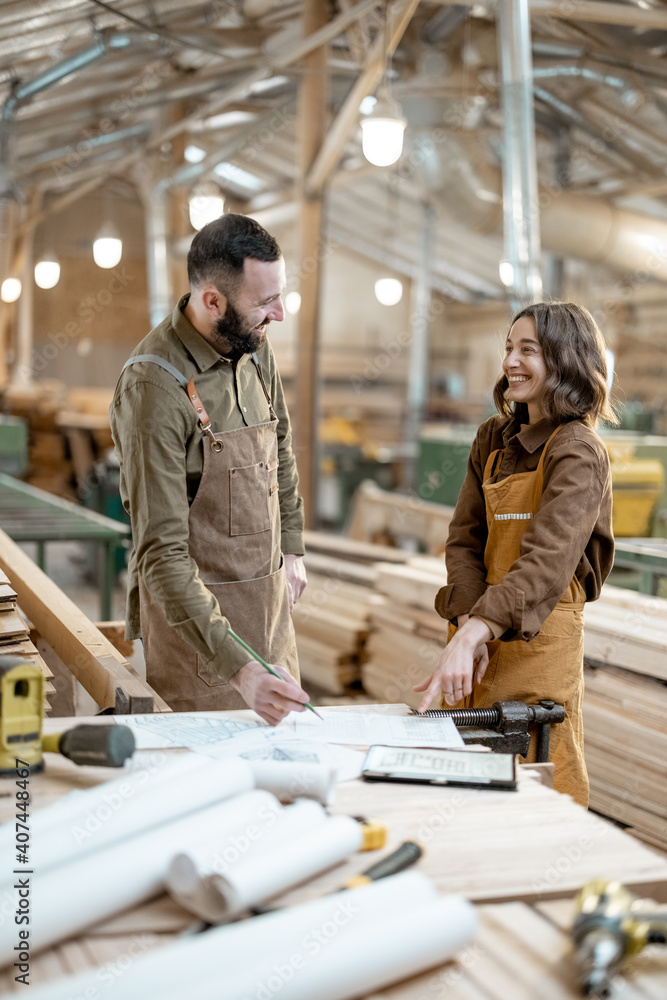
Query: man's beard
233,335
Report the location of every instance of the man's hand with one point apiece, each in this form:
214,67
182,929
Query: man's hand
267,695
295,571
461,658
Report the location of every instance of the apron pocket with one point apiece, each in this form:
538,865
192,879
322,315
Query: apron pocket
562,623
249,500
258,611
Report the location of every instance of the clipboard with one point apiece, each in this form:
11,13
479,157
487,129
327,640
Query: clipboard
441,767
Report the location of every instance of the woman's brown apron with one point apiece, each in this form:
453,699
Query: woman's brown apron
551,664
234,526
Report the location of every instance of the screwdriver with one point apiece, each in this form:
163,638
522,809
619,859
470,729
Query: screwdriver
101,746
259,659
403,857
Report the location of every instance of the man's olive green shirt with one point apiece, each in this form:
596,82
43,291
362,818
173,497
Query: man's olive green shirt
161,452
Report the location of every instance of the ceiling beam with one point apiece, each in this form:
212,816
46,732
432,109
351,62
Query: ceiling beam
291,54
348,117
596,11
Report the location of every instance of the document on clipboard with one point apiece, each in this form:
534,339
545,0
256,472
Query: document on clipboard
441,767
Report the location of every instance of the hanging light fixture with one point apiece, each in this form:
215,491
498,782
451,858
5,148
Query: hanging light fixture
506,272
388,291
382,132
10,290
47,272
383,125
205,205
108,247
293,303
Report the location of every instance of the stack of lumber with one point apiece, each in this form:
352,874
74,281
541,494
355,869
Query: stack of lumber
629,630
368,612
407,634
625,725
332,618
15,639
332,622
49,466
625,710
383,514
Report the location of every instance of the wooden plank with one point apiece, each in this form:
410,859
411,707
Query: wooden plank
377,512
549,845
11,626
115,633
354,549
92,659
408,585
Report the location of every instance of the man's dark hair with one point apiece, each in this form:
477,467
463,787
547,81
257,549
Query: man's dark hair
573,348
218,251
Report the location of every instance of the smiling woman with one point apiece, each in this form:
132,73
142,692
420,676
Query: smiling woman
531,540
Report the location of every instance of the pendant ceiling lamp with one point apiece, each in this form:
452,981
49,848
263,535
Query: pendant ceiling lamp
205,205
47,272
108,246
382,129
10,290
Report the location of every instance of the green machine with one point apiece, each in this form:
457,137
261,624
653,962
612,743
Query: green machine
13,445
442,461
639,471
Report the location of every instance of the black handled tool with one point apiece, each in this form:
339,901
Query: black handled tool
101,746
403,857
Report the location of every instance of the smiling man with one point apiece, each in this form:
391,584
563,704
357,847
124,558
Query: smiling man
209,479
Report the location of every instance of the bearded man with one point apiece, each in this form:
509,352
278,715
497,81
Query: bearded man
209,479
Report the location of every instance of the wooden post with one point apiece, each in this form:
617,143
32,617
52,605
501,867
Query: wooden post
312,128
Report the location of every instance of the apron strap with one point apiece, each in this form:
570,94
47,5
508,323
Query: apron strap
202,415
193,395
494,459
156,360
188,385
492,463
272,412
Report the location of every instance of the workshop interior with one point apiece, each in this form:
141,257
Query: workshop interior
333,499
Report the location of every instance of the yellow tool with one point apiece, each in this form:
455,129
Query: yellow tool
21,708
374,831
21,712
610,925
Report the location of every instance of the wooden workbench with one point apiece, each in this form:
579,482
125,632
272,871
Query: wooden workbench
519,856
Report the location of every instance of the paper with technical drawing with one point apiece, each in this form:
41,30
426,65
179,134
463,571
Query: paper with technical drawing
216,736
366,729
187,729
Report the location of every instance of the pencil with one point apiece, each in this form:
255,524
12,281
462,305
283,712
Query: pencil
266,666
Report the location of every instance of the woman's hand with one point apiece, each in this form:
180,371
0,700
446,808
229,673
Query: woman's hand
464,655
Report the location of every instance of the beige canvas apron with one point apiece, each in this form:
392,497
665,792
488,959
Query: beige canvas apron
234,539
551,664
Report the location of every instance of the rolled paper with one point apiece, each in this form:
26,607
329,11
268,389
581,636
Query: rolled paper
226,951
73,896
89,820
190,876
259,877
289,781
255,814
378,953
